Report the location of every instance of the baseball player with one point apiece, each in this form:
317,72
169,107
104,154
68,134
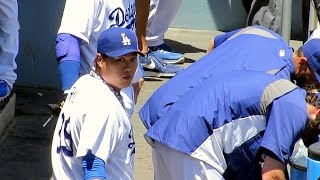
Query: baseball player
93,137
253,48
81,25
232,126
9,44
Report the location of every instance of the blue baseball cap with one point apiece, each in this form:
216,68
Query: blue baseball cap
311,51
115,42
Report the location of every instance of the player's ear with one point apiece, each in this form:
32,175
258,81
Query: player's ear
303,60
303,64
98,60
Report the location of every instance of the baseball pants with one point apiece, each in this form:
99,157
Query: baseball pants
162,13
170,164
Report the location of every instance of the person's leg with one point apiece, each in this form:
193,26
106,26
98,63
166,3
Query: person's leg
170,164
162,13
142,13
9,44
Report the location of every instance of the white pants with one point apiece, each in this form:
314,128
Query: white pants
9,40
170,164
162,13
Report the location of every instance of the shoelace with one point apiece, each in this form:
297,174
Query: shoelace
116,93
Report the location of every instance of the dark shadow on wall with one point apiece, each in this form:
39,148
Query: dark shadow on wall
228,15
39,22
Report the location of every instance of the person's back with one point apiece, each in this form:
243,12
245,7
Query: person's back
228,118
92,111
252,48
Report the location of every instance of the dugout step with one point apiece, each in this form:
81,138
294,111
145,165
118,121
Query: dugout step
7,112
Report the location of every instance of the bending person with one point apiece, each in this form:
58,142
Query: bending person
232,126
253,48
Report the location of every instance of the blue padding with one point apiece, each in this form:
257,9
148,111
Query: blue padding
93,167
3,88
67,47
69,72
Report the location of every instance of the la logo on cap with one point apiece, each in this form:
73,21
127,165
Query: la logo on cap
125,40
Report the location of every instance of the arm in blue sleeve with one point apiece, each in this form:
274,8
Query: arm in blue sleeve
286,119
219,39
68,56
93,167
67,47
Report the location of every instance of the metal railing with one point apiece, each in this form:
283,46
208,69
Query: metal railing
287,14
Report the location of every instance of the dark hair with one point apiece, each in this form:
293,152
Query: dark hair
311,132
312,98
299,52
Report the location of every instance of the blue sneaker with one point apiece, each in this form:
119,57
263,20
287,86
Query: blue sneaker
153,63
4,89
166,53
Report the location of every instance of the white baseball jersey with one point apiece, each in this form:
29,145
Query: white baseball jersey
93,119
86,19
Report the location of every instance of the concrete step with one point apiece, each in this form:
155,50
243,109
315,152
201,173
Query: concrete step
7,112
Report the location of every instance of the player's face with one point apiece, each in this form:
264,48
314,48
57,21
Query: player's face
118,72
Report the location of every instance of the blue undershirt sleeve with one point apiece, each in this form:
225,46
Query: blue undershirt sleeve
68,56
93,167
67,47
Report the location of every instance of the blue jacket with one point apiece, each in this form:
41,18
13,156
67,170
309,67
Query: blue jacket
253,48
230,116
